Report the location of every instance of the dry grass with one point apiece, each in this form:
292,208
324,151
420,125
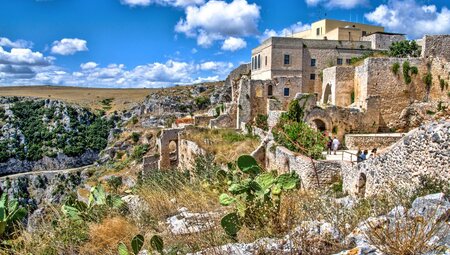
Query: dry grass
226,144
106,236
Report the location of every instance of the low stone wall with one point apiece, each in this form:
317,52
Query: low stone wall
319,175
273,118
150,163
370,141
202,121
422,152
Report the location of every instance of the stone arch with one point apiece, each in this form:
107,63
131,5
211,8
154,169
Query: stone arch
168,145
327,94
361,185
319,125
270,90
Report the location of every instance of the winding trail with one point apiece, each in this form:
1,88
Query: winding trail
46,172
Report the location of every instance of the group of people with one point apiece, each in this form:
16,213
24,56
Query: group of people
333,146
363,155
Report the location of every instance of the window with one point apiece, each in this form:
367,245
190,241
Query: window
364,33
313,62
266,60
348,61
312,76
270,90
259,61
318,31
286,92
253,63
339,61
286,59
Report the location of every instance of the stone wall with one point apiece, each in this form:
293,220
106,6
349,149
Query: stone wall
370,141
167,136
202,120
422,152
338,85
436,46
273,117
283,160
382,41
150,163
188,152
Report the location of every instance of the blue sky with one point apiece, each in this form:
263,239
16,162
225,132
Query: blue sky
155,43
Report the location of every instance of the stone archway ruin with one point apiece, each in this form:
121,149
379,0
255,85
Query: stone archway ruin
319,125
168,144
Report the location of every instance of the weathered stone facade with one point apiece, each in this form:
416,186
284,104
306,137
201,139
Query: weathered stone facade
338,85
422,152
168,159
382,41
188,152
370,141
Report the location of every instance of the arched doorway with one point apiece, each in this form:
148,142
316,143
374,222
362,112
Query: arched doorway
173,153
361,186
270,90
320,125
327,94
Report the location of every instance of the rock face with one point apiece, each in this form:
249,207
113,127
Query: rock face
423,152
60,162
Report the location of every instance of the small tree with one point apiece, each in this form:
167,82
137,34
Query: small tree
404,49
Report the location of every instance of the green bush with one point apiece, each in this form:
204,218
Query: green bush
261,122
254,193
428,80
404,49
395,68
202,102
2,113
406,76
135,137
139,151
296,135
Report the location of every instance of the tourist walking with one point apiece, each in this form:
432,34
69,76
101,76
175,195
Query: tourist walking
364,155
329,144
358,156
335,145
373,153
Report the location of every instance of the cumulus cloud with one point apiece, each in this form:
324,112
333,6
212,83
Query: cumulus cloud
234,44
24,57
343,4
288,31
217,20
175,3
69,46
411,18
5,42
88,65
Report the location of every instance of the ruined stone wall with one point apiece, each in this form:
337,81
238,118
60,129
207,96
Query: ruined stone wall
380,41
202,121
376,78
440,70
150,163
243,111
370,141
338,85
188,151
422,152
436,46
234,78
167,136
283,160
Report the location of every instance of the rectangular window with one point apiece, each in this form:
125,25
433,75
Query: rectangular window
286,92
259,61
318,31
266,60
364,33
348,61
287,59
312,76
313,62
339,61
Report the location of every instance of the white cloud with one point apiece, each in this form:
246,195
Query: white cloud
411,18
88,65
233,44
24,57
288,31
69,46
217,20
175,3
5,42
343,4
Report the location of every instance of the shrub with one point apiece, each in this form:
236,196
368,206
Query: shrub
442,84
255,195
404,49
414,70
115,182
10,212
428,80
261,122
395,68
135,137
139,151
2,113
406,76
202,102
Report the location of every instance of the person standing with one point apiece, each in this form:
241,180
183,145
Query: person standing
335,145
364,155
373,153
358,156
329,144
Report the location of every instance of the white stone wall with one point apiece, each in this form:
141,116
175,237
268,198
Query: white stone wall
382,41
370,141
188,151
424,151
